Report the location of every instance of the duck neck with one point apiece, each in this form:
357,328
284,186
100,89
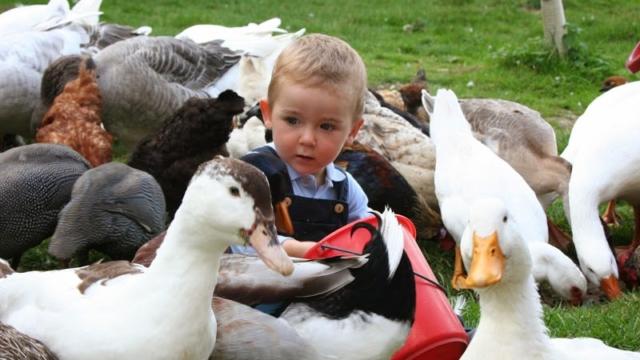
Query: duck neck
511,321
189,258
585,219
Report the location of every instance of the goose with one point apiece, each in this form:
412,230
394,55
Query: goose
467,170
511,326
250,77
55,13
144,80
336,303
610,215
408,149
520,136
227,202
605,157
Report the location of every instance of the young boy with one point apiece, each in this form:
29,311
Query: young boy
314,108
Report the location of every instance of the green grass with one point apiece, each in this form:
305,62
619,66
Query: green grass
478,48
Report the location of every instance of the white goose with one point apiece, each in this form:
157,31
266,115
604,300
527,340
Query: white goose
44,17
259,47
511,325
467,170
605,153
227,202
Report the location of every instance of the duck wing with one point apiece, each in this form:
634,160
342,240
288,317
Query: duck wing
247,280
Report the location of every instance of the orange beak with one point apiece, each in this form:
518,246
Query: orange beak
487,264
283,220
610,287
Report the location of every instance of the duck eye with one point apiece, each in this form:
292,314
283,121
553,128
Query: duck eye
234,191
504,219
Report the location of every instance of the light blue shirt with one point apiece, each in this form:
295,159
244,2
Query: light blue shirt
306,186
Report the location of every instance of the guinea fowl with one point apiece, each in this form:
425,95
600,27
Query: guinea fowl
35,183
196,133
113,209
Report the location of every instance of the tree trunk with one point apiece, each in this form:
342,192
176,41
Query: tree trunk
554,25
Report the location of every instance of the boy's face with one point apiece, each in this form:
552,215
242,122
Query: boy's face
310,126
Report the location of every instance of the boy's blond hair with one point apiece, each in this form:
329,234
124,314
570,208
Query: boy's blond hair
321,60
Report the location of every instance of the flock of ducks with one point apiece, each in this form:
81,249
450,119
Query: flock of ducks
489,166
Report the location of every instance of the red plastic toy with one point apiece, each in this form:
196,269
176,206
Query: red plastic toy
633,62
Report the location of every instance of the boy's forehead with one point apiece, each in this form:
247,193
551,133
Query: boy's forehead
336,103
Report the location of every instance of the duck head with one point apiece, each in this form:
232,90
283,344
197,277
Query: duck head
235,200
491,248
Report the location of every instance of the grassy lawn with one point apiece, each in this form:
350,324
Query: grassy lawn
478,48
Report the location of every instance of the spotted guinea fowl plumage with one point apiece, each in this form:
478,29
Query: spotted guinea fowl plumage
35,183
114,208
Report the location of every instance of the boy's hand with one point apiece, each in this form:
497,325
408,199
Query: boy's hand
296,248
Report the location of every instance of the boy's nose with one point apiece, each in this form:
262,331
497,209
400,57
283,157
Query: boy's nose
307,137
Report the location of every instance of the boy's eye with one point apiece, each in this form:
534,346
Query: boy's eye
327,126
291,120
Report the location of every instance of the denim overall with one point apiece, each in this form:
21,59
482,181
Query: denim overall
312,219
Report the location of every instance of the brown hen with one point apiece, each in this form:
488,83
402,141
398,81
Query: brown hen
74,118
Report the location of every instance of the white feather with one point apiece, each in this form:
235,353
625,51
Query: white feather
394,239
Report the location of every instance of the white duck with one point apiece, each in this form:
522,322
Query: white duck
511,325
467,170
604,151
227,202
521,137
332,305
259,48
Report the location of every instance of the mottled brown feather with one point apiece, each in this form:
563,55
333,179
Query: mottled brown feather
104,272
74,118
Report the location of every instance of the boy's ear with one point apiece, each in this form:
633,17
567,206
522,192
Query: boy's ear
266,113
357,124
